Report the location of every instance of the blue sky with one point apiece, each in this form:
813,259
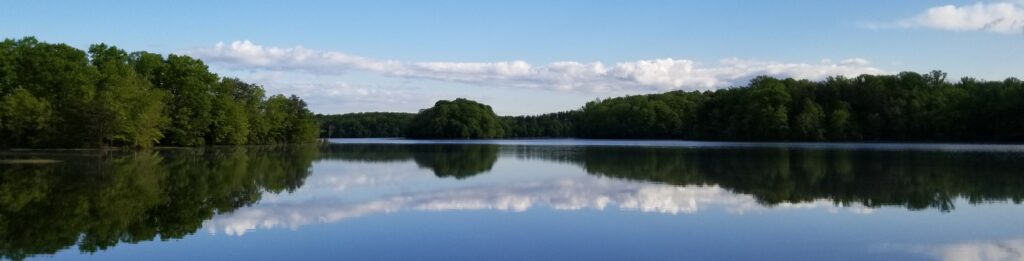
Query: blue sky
526,57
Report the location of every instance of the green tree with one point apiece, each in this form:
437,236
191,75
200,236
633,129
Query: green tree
809,124
108,97
127,110
364,125
24,119
289,120
229,119
767,112
190,83
839,123
458,119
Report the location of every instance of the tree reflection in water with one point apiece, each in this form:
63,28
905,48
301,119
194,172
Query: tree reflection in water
96,200
914,179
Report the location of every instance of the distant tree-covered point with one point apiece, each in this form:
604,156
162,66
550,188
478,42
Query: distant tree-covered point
458,119
903,107
54,95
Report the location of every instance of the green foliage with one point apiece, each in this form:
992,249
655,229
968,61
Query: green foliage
364,125
24,119
190,84
809,123
54,95
458,119
665,115
127,110
230,120
903,107
551,125
289,121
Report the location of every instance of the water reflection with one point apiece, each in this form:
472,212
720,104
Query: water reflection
97,200
53,200
445,160
1012,249
562,194
912,179
909,178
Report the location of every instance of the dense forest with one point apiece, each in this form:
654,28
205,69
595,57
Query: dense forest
551,125
364,124
54,95
903,107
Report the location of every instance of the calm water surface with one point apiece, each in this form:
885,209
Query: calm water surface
519,200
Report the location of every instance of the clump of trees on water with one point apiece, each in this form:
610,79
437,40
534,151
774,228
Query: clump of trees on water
458,119
54,95
903,107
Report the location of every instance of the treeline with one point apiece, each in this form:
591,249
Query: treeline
904,107
456,119
396,124
364,124
54,95
551,125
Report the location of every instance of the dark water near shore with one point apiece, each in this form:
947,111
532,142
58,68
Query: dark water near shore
517,199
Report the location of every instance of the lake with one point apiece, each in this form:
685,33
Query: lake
387,199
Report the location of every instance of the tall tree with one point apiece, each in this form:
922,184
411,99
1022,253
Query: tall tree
190,83
25,119
810,123
127,109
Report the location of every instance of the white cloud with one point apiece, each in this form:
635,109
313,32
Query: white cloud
978,251
1002,17
992,250
643,75
328,93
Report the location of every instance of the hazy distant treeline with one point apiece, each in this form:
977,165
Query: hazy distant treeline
364,124
54,95
904,107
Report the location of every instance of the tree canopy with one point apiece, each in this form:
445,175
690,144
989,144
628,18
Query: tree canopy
54,95
364,125
458,119
903,107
